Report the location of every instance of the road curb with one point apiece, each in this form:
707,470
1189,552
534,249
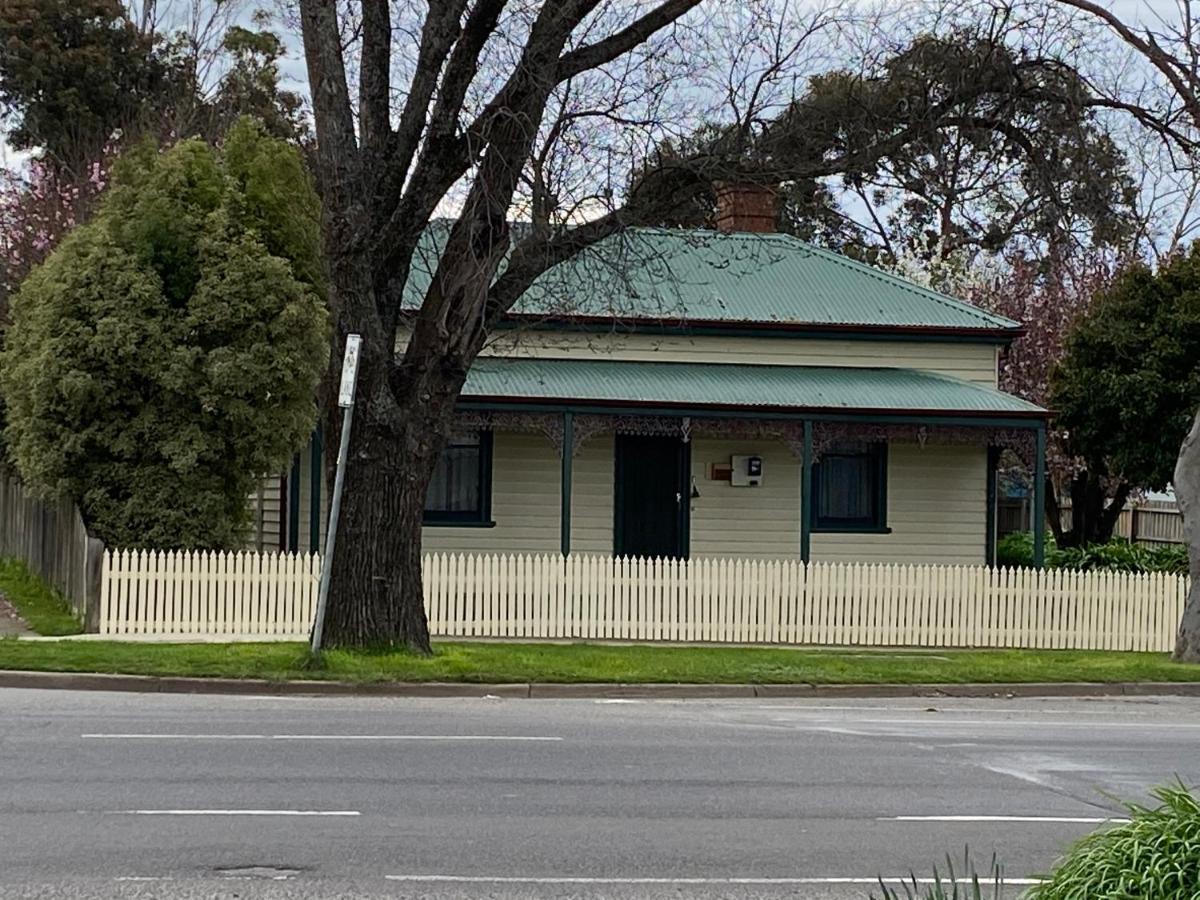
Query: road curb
71,681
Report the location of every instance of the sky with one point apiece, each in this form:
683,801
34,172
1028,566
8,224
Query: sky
1138,11
1148,11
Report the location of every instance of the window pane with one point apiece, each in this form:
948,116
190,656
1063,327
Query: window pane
848,487
455,486
846,490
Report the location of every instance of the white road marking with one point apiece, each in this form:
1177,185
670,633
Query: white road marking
1074,820
142,878
342,813
944,721
926,707
556,880
99,736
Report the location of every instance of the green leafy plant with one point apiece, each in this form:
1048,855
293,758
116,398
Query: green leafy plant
167,354
1015,549
1170,558
1118,555
950,887
1155,856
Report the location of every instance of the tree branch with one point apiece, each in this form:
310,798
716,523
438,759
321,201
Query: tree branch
339,163
536,255
463,66
638,32
374,87
438,34
1171,67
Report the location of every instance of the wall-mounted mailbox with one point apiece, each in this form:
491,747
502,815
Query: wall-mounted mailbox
747,471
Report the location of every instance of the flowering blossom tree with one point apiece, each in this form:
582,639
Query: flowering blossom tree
1047,295
37,208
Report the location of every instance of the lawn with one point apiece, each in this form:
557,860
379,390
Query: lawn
478,662
565,663
40,606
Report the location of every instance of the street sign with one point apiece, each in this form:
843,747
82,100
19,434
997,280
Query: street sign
349,371
346,402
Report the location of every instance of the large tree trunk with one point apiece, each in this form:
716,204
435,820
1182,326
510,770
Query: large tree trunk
400,427
375,591
401,419
1187,492
1094,515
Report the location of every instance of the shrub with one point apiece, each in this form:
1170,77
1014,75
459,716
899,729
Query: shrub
1156,855
167,354
1016,550
1118,555
1170,558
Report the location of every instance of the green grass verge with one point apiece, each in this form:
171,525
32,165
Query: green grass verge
46,611
494,662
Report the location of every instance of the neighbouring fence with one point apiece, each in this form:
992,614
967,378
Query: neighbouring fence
703,600
49,536
1151,522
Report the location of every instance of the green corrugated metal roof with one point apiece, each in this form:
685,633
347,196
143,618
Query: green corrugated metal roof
680,276
734,386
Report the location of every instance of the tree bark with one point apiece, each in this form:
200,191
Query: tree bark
1094,515
378,194
403,415
375,596
1187,492
1054,513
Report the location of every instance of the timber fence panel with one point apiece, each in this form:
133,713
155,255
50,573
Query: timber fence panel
50,537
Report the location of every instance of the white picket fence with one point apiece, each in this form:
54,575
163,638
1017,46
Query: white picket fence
705,600
236,594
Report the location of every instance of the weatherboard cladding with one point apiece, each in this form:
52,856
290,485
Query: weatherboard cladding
739,386
677,276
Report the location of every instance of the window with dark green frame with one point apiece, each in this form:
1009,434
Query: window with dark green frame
850,488
460,491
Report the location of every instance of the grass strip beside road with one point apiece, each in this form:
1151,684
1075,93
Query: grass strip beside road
42,607
594,663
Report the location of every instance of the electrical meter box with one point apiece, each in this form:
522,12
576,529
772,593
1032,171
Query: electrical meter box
745,471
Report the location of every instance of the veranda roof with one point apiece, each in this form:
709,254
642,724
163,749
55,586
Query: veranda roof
587,382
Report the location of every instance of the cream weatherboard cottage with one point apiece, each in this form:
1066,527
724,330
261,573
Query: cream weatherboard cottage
730,393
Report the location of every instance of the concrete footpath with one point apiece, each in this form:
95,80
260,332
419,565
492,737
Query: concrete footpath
544,690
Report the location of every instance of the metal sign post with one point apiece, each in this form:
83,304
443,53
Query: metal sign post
346,402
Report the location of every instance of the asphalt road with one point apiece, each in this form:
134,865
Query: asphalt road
125,795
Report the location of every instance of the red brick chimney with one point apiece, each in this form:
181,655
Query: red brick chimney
744,206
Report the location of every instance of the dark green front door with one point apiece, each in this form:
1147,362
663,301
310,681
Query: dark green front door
652,497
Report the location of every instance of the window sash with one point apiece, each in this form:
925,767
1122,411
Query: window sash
460,487
849,485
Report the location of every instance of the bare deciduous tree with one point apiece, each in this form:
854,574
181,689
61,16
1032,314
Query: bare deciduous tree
490,84
1171,48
